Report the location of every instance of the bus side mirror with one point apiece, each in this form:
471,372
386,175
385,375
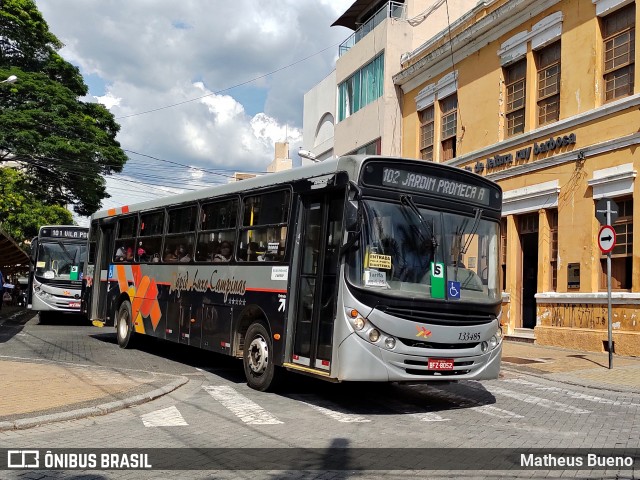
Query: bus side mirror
352,216
34,249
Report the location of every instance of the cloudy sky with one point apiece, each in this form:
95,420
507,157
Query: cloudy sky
210,85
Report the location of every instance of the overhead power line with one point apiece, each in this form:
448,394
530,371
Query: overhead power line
228,88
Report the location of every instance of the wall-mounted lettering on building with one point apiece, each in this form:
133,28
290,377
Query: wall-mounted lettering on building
524,154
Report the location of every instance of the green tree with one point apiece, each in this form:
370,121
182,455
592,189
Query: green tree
63,145
22,212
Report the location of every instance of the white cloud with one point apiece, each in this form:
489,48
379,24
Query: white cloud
108,100
150,54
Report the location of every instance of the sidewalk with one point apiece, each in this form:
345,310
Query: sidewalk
37,392
573,367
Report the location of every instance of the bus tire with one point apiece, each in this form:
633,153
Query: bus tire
44,318
257,358
124,325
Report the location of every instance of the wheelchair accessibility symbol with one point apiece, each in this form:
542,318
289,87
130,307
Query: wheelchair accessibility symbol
454,289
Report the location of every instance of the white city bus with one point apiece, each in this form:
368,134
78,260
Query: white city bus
58,254
361,268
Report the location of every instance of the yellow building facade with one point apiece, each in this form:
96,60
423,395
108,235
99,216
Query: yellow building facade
540,96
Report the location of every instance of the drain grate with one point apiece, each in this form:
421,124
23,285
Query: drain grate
520,361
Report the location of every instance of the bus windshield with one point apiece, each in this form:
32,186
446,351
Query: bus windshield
425,253
60,260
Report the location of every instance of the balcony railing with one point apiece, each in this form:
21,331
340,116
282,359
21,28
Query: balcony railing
390,10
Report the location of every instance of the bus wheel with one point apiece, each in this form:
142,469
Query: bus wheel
124,325
257,358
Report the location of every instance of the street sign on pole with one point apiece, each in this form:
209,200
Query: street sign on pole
606,242
604,206
606,238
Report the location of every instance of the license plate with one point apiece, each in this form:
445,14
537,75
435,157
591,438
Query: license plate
74,304
440,364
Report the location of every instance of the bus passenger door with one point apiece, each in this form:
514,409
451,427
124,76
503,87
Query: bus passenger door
100,279
320,238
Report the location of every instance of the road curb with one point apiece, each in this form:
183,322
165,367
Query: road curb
24,423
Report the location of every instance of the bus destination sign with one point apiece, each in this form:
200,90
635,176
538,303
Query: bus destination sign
71,233
418,182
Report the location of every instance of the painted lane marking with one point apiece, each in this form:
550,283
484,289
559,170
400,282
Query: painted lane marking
329,409
571,393
245,409
412,410
474,405
167,417
532,399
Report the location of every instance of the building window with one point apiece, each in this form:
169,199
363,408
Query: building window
549,84
449,108
515,78
503,252
362,88
371,148
426,133
622,253
552,216
619,50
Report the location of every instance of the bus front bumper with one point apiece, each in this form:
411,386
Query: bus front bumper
363,361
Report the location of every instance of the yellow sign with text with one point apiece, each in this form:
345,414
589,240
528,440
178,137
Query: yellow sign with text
380,261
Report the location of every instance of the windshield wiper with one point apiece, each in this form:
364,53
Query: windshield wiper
474,228
407,201
66,252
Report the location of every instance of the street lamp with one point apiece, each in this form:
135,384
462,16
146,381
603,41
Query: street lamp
307,154
10,79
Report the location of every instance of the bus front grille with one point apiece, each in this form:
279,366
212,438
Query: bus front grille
409,342
435,317
65,285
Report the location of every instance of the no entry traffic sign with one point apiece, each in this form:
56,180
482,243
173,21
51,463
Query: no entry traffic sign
606,238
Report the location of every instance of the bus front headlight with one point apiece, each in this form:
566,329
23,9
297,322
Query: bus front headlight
374,335
357,321
493,342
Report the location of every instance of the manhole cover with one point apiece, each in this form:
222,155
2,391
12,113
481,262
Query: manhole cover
520,361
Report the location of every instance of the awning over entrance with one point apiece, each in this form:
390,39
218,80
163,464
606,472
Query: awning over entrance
352,16
12,258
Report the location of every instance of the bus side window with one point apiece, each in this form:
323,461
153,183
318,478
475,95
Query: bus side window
264,226
126,239
217,229
149,245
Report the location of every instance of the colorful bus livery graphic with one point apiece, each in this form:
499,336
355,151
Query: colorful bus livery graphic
142,292
212,287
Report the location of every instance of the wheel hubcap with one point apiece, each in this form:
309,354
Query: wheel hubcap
123,326
258,355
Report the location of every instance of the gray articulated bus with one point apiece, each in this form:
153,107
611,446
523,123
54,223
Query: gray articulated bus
58,254
362,268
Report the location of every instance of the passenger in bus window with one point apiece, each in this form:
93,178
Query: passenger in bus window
142,254
213,249
183,255
169,256
225,252
129,255
121,253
